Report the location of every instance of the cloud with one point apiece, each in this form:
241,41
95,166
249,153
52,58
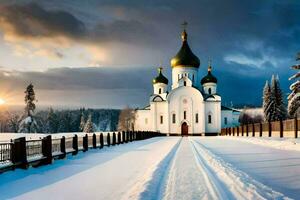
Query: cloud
248,42
32,21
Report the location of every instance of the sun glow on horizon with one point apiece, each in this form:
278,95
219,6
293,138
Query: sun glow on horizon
2,101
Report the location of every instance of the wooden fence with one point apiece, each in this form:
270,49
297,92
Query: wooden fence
20,153
287,128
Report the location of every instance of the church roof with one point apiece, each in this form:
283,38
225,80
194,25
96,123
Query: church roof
227,108
185,57
160,78
209,78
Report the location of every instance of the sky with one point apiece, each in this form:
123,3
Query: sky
104,53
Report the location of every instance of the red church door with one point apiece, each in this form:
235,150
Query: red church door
184,129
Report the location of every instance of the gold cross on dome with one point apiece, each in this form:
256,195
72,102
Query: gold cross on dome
184,25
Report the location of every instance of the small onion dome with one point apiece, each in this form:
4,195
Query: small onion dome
209,78
160,78
185,57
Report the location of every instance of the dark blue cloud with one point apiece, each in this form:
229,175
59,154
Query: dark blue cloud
248,41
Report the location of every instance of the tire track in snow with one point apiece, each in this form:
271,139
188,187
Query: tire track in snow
238,184
216,188
152,184
186,179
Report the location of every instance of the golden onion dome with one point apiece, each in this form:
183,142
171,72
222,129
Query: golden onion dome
160,78
185,57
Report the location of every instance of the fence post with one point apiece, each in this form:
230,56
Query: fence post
243,130
253,130
19,158
114,139
63,147
85,143
296,126
127,136
281,128
123,136
94,141
119,138
47,150
101,140
270,128
75,144
134,135
108,139
131,136
260,129
247,130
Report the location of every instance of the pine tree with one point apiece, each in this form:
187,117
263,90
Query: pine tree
51,122
29,124
82,123
276,108
294,97
89,126
266,101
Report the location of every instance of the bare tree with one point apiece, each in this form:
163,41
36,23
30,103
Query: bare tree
126,119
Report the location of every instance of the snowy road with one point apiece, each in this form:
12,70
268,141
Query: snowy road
159,168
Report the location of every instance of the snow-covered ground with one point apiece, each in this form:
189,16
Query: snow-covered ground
6,137
164,168
274,142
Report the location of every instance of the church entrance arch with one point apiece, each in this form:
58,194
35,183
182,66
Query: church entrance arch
184,129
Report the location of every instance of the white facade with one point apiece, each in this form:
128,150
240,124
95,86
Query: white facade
191,107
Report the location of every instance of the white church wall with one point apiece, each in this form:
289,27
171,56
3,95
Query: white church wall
212,109
143,120
210,86
226,118
159,111
160,88
180,72
190,100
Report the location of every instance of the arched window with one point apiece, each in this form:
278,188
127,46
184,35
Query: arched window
173,118
197,118
161,119
184,114
159,91
209,90
209,119
184,83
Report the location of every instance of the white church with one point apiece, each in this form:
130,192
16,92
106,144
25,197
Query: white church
191,107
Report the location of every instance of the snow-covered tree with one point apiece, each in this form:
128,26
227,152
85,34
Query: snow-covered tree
294,97
29,124
89,126
276,107
13,123
82,123
266,101
51,122
273,105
